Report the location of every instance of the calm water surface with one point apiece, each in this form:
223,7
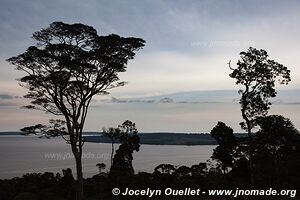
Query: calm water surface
20,154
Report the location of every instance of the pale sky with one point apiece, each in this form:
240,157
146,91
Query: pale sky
188,44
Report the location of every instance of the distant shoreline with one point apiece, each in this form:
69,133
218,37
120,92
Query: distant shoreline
160,138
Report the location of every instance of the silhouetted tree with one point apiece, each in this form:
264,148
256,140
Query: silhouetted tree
101,166
69,65
277,150
55,128
257,74
198,170
165,169
67,176
130,142
183,171
36,129
225,152
113,134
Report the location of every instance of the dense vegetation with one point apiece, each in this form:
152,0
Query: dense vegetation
276,160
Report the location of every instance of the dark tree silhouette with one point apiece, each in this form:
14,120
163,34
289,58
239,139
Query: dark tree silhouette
101,166
257,74
113,134
55,128
226,150
277,150
130,142
67,178
36,129
198,170
182,171
69,65
164,169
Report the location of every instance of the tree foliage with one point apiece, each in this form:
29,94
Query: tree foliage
257,74
130,142
225,152
113,134
101,166
276,151
164,169
277,136
67,67
55,128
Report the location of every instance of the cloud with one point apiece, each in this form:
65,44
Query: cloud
204,97
176,98
140,101
6,96
117,100
4,104
187,46
9,100
166,100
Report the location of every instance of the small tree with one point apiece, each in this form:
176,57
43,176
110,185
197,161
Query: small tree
101,166
165,169
113,134
130,142
225,152
257,74
199,169
68,66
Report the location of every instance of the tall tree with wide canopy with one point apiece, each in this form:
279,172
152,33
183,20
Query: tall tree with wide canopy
67,67
256,75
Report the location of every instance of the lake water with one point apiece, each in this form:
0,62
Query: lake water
25,154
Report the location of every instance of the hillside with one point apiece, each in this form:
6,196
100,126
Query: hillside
164,139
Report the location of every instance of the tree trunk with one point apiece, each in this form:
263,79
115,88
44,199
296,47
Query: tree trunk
112,154
251,167
79,191
248,124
